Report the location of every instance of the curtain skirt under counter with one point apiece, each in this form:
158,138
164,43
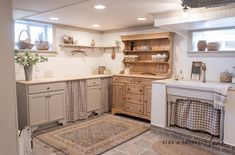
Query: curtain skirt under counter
195,115
75,100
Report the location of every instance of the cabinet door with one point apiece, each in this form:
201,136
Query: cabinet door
118,95
148,100
56,106
93,98
38,109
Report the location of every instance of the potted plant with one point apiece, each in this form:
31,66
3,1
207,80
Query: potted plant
28,60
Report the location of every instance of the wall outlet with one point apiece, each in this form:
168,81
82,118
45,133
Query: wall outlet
48,74
37,69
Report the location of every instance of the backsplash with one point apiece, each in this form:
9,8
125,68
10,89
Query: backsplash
64,64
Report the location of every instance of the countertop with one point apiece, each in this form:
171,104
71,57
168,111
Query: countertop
184,83
92,76
143,76
63,79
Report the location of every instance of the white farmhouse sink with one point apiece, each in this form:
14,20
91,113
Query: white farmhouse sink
194,85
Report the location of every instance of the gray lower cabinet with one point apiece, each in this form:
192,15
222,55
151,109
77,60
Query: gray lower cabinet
93,95
40,104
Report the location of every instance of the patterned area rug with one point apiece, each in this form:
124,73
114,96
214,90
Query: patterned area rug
94,136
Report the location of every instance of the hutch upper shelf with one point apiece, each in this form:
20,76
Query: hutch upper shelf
144,47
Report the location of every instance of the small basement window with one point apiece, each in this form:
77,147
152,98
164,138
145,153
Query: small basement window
36,30
225,37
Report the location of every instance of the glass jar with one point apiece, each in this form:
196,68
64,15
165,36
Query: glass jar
233,72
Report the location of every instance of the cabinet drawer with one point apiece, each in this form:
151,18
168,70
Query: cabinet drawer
135,108
133,98
93,82
123,79
38,88
145,81
135,89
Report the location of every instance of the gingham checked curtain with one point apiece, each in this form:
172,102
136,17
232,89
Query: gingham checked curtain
75,100
195,115
106,94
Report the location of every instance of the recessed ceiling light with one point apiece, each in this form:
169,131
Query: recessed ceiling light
96,25
141,18
54,18
99,7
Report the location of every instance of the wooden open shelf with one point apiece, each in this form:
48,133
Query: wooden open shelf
84,46
148,62
159,43
150,51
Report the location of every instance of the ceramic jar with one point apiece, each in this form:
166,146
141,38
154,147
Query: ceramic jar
201,45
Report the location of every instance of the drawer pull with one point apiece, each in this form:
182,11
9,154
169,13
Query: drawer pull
128,88
93,82
140,100
140,90
128,98
48,88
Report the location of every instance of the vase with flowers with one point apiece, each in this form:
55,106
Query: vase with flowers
28,60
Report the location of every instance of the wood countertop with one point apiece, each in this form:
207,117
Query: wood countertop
143,76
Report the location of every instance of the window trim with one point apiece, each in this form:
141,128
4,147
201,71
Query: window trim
46,27
229,53
31,23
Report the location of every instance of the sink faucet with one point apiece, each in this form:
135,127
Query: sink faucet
203,69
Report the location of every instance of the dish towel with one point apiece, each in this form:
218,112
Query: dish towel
220,96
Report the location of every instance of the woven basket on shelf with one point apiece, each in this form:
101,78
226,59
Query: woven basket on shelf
213,46
42,45
25,44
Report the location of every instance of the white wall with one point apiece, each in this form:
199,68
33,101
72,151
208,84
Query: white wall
8,118
215,65
64,64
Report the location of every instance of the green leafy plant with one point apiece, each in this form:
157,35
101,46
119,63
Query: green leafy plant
29,59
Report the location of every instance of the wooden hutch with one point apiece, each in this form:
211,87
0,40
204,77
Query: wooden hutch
132,93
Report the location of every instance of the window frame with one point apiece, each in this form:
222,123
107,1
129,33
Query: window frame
191,53
45,26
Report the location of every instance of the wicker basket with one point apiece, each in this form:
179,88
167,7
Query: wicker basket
25,44
42,45
213,46
226,77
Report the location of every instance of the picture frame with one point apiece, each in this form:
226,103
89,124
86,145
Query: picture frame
196,70
68,39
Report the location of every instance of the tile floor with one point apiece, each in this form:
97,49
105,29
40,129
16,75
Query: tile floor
141,145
